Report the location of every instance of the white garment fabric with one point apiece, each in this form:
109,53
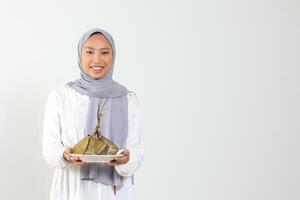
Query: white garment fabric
64,122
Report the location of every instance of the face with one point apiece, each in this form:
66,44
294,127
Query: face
96,56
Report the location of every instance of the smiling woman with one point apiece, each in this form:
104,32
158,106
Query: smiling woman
71,114
96,56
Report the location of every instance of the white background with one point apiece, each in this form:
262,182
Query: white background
218,82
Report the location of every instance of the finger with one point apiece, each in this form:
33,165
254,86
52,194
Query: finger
68,150
109,163
74,159
125,152
67,157
79,163
122,160
125,156
119,159
66,153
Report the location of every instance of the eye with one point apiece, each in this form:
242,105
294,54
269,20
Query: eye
105,52
89,52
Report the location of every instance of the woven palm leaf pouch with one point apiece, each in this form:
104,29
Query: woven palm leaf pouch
96,143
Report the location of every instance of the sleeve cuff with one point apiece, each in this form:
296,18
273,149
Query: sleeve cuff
62,162
123,169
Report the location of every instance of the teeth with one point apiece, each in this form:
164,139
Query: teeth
97,67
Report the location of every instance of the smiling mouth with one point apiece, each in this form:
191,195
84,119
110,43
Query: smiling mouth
97,69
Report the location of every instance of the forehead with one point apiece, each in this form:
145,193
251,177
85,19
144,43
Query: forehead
97,39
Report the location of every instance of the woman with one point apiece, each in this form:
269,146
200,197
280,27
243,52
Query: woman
71,114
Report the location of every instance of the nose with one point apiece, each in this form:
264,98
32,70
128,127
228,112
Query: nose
97,58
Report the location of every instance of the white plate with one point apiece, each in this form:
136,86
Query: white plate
97,158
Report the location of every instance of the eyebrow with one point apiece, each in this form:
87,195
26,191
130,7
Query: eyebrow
104,48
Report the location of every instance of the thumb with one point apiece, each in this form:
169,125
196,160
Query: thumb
68,150
126,152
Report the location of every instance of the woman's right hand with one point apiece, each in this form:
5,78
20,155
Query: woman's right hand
72,159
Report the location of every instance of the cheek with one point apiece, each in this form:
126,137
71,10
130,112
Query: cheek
85,61
108,60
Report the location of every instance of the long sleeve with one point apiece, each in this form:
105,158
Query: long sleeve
52,146
134,141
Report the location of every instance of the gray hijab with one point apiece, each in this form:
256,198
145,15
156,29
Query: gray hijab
114,122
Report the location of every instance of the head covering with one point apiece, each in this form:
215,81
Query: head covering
114,121
97,87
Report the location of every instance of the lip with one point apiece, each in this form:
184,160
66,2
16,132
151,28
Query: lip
97,69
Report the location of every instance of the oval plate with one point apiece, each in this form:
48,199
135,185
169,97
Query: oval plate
95,158
98,158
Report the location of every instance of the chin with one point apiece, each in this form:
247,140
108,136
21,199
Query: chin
97,76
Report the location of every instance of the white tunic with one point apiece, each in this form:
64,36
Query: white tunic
64,122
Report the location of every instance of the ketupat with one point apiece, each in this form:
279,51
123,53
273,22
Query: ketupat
91,145
96,144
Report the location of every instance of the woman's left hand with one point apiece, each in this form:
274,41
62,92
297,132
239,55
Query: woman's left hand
120,160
